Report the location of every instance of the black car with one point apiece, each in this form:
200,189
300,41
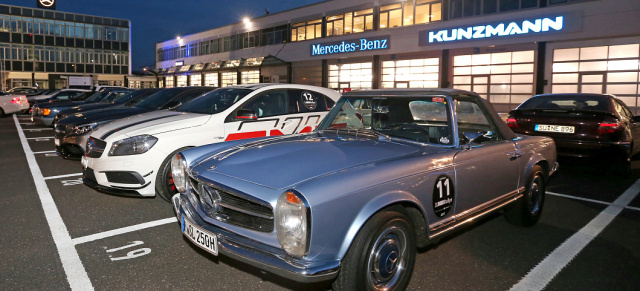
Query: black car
71,133
582,125
115,98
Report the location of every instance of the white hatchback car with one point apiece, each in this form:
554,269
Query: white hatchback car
132,156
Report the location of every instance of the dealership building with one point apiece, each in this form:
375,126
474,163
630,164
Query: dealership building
505,50
44,47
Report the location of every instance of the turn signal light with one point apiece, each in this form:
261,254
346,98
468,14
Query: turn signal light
47,111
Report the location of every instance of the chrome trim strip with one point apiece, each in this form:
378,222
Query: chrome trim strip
470,215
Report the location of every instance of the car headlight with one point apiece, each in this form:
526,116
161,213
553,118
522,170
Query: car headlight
179,172
293,223
133,145
83,128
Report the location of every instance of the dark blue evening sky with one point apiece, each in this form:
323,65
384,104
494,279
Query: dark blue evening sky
155,21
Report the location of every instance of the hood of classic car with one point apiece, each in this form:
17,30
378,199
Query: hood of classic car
284,162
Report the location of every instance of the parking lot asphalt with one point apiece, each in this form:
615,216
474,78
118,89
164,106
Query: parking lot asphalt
58,234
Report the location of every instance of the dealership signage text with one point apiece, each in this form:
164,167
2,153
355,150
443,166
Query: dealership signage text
347,46
503,29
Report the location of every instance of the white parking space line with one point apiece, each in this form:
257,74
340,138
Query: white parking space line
588,200
62,176
44,152
73,268
41,138
119,231
37,129
540,276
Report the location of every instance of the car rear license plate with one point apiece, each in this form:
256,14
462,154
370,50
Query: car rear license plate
555,128
199,236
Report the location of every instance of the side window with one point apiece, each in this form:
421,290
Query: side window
271,103
472,119
307,101
64,95
622,109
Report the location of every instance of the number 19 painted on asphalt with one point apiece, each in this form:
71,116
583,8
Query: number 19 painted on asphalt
132,254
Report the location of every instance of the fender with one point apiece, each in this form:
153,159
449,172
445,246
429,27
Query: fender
376,204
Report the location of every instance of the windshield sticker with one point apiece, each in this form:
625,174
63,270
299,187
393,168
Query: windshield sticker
443,196
309,101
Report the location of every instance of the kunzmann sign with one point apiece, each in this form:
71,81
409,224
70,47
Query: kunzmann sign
352,45
541,25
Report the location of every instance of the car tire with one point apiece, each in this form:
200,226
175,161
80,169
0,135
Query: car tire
382,254
526,211
164,182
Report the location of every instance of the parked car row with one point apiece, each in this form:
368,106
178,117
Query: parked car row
313,186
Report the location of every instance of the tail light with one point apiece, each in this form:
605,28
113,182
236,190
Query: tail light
16,100
512,122
609,126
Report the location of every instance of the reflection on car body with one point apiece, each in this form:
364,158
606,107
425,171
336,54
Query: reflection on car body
352,201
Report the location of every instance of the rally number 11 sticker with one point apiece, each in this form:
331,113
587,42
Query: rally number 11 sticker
443,196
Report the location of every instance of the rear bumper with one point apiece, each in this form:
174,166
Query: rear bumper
578,148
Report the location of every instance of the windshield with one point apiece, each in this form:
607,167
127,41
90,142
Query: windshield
423,119
156,101
215,101
134,97
96,97
568,102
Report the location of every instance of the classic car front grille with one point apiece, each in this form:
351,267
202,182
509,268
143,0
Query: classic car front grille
95,147
231,208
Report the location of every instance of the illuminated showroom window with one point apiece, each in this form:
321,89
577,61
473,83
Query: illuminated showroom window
250,77
350,22
211,79
306,30
195,80
356,76
229,79
602,69
410,12
500,77
160,84
169,81
415,73
181,81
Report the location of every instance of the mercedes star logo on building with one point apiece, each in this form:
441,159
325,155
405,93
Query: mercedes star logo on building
47,3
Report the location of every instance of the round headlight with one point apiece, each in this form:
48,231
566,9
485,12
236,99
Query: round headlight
179,172
293,223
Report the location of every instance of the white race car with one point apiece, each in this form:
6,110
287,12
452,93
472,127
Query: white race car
132,156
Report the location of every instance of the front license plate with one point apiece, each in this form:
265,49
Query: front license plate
555,128
56,141
199,236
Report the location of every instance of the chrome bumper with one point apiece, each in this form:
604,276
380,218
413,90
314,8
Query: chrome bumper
254,253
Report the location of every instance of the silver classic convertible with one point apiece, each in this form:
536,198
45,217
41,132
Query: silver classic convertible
386,172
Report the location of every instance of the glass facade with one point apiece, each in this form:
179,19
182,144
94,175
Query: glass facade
229,79
211,79
356,76
350,22
413,73
195,80
250,77
600,69
505,77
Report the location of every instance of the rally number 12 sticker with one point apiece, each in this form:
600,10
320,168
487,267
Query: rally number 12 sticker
443,196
